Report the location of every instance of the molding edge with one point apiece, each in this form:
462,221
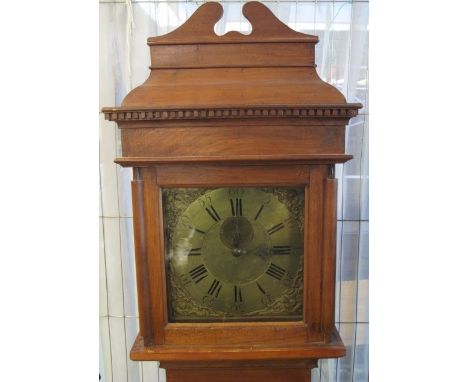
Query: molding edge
162,114
235,159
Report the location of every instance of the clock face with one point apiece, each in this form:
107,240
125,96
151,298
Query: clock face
234,253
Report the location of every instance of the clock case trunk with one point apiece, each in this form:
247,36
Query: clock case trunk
233,111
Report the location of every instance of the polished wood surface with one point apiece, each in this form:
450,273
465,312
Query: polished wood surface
192,67
199,28
141,260
229,141
209,56
234,110
249,160
207,175
243,371
235,333
233,374
249,353
329,256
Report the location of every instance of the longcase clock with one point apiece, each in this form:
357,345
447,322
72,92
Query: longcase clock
233,141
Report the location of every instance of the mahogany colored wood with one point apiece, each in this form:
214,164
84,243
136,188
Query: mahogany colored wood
229,141
247,175
141,259
199,28
244,354
247,374
155,272
200,56
329,256
234,110
235,159
252,371
313,309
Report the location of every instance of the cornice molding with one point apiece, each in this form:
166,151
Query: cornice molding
236,159
162,114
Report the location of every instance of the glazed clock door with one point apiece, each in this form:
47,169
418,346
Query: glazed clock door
234,253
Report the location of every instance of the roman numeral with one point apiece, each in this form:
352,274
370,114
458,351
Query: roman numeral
212,212
275,228
195,252
236,207
276,271
281,250
198,273
260,288
259,212
237,294
215,288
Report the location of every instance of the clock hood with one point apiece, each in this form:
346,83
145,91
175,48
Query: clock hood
196,74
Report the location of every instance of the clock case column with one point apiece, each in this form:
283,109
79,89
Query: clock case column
234,110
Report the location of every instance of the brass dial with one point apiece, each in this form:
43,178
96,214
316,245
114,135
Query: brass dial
236,250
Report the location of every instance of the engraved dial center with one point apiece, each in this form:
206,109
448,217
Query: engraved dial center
236,250
237,233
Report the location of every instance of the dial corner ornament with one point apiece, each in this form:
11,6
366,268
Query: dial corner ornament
234,253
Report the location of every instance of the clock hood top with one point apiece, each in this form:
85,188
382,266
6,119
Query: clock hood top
197,75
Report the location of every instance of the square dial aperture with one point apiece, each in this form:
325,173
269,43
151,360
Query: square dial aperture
234,253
